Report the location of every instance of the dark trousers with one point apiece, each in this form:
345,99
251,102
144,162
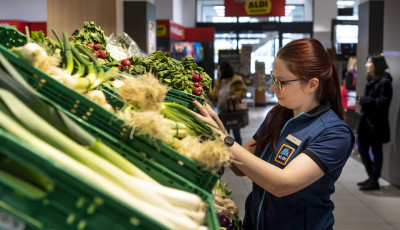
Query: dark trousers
373,167
236,135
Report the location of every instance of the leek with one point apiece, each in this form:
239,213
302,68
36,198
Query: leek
110,172
181,114
69,61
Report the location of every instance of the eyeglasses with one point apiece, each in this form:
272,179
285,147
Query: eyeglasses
278,83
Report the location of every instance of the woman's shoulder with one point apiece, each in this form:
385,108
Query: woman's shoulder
331,120
387,77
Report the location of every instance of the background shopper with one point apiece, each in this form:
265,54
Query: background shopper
348,87
300,149
228,86
374,128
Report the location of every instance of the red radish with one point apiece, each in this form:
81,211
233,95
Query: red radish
197,91
102,54
70,39
196,84
96,47
90,45
96,53
120,68
126,62
197,77
192,73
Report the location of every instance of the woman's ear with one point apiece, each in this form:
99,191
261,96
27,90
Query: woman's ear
313,84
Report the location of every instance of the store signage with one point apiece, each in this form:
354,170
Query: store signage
168,28
266,8
20,25
161,30
177,31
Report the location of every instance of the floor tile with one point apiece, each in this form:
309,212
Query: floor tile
396,226
357,215
390,215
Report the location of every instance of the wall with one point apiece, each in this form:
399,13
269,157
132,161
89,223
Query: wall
177,15
324,12
188,13
164,9
33,10
67,16
391,49
181,12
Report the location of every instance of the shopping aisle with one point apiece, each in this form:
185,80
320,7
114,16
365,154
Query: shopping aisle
354,210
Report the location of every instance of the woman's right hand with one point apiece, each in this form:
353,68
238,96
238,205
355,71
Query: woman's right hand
209,116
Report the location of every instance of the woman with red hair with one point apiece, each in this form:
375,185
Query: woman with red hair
299,151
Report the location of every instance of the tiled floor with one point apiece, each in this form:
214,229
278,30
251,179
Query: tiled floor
354,210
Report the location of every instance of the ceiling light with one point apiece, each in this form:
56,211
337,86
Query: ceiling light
219,7
345,3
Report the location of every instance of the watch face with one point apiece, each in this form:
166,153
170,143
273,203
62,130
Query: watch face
229,141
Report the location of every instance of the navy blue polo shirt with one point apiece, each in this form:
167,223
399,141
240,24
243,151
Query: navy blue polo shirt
325,139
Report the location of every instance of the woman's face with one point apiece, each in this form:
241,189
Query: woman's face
293,95
370,66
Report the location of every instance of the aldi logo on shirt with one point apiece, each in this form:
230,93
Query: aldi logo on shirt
284,154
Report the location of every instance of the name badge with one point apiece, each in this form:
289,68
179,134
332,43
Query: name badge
293,139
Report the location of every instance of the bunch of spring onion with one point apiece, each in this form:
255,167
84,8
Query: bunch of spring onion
171,123
173,208
94,162
77,68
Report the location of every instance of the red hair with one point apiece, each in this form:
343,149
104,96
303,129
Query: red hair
306,58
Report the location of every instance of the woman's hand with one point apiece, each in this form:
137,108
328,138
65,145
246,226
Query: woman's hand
209,116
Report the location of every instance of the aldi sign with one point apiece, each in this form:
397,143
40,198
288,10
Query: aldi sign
265,8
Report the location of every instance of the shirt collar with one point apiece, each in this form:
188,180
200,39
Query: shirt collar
319,109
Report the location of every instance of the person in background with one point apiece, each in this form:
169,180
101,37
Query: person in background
228,86
348,88
300,149
373,130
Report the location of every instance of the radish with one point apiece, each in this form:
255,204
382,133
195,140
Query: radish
197,91
96,53
126,62
96,47
192,73
196,84
90,45
102,54
70,39
197,77
120,68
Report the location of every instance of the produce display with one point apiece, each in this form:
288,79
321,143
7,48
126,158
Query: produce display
226,209
145,110
83,63
94,162
184,75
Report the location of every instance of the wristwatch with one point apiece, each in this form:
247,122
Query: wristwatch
229,141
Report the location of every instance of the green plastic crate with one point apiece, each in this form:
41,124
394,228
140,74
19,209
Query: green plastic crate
10,37
95,115
173,95
72,204
184,99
